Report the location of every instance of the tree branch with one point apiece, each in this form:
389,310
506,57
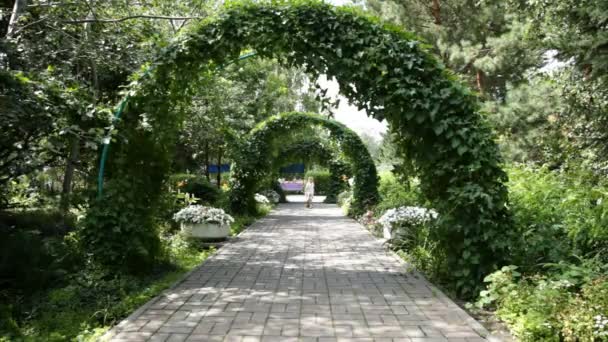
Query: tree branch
29,24
141,16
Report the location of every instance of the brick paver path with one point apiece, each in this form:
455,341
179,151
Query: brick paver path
301,275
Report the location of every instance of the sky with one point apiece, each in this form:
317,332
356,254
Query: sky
355,119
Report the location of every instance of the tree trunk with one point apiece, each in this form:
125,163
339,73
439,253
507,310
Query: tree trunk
479,77
207,161
68,177
74,155
587,71
436,11
219,169
18,9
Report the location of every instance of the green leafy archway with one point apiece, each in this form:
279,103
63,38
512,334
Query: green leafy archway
255,159
386,71
314,150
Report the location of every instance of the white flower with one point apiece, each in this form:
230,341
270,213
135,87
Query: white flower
407,216
199,214
271,195
259,198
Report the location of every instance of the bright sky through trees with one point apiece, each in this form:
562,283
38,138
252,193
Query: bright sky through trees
355,119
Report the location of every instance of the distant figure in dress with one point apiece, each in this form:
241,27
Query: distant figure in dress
309,192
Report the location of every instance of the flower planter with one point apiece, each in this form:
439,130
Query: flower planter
206,231
386,232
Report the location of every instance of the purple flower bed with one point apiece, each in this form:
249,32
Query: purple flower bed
292,186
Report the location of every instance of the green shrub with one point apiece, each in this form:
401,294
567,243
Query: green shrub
276,186
198,186
396,193
33,252
566,303
240,223
116,235
557,214
530,306
557,296
344,197
44,222
422,252
586,318
93,299
344,200
322,181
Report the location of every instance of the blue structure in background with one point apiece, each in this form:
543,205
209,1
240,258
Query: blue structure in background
223,168
293,168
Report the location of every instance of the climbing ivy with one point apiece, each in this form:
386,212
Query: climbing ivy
256,156
315,150
381,69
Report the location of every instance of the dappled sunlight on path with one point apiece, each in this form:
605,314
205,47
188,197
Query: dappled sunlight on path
302,275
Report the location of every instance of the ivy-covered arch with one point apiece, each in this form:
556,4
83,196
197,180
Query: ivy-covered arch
314,150
256,156
380,68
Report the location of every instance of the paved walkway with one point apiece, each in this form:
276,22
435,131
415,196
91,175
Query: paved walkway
302,275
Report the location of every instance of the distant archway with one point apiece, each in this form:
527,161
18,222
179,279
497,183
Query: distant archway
315,151
256,157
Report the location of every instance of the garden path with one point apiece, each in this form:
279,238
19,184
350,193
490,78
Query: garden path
302,275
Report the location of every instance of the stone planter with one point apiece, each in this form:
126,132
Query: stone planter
386,232
206,231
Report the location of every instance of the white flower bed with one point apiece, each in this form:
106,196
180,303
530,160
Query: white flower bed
600,327
201,214
405,216
259,198
272,196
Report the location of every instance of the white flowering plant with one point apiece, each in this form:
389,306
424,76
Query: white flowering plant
407,216
600,326
271,195
261,199
202,214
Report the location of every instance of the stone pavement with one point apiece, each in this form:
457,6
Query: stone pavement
301,275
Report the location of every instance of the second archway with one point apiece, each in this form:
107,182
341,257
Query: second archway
262,148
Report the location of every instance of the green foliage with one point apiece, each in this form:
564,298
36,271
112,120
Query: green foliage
550,307
554,295
322,180
264,141
71,299
33,252
31,121
92,300
576,29
419,247
117,235
276,186
396,192
344,197
527,121
232,102
197,186
557,214
240,223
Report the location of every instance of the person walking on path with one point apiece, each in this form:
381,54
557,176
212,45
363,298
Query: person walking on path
309,192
